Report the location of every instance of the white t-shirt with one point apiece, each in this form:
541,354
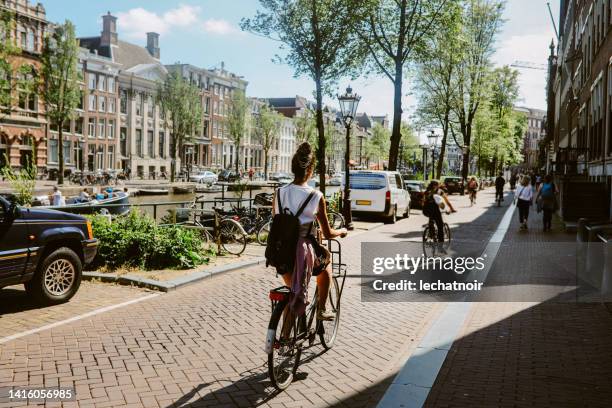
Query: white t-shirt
57,198
525,193
292,197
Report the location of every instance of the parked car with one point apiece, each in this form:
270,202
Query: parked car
416,189
453,184
228,176
335,180
45,250
379,192
206,177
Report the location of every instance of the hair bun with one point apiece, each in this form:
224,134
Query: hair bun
304,148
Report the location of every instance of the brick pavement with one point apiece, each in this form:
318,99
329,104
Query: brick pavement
545,354
18,313
203,345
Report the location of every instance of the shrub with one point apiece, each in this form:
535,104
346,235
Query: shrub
137,241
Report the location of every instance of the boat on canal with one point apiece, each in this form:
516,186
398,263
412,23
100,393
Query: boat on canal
118,204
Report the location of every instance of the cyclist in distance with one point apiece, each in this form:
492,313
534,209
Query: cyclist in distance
432,204
292,197
472,187
499,187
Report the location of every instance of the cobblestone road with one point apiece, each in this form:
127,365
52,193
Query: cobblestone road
203,345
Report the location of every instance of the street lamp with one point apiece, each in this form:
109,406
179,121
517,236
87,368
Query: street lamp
348,108
433,140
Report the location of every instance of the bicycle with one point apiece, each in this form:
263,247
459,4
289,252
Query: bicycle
284,344
226,232
431,246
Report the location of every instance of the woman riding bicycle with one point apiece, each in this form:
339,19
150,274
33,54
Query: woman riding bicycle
292,196
432,204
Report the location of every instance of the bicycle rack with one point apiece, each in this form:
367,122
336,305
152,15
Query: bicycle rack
338,268
280,294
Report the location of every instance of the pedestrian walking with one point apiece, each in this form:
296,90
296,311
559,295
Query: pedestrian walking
547,200
524,199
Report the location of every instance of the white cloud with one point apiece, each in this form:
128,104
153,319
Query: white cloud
136,22
220,27
530,48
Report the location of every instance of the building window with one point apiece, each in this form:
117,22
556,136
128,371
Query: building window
30,41
111,156
67,150
91,80
111,129
139,104
123,141
162,142
102,103
92,102
53,153
150,106
123,101
139,142
91,127
111,84
111,105
150,144
101,83
100,158
101,128
78,126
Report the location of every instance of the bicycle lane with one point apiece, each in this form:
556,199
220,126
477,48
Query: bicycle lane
203,345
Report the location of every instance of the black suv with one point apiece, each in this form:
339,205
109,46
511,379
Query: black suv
45,250
229,176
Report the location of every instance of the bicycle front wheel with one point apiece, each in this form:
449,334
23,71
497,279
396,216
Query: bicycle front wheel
233,239
328,329
429,240
262,234
284,358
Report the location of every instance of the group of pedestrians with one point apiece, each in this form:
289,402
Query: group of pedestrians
543,192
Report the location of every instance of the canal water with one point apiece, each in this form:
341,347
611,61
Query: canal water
160,205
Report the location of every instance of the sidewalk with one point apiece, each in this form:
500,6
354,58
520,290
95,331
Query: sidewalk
529,353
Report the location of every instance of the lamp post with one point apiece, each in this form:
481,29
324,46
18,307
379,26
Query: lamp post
433,140
348,108
424,161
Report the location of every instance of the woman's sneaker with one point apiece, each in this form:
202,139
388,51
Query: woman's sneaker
323,314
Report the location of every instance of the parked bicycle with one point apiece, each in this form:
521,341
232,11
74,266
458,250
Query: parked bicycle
227,233
285,341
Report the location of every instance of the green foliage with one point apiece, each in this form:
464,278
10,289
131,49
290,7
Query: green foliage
237,119
376,148
61,88
181,105
268,127
137,241
23,182
305,127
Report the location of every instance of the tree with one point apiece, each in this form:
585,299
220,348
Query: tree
377,146
320,42
236,120
482,21
181,108
61,88
268,128
436,77
305,126
391,33
410,145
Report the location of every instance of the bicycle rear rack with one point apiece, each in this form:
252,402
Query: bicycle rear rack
280,294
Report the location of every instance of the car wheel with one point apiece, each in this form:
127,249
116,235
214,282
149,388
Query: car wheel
408,208
57,278
393,217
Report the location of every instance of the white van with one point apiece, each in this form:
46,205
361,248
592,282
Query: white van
379,192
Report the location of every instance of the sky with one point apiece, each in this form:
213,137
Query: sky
206,32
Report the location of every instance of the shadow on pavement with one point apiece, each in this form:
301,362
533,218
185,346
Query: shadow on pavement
15,301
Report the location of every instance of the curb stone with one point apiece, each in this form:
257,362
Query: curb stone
167,286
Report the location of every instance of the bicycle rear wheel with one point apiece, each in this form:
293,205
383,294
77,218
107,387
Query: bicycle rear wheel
233,239
429,240
336,220
262,234
284,358
328,330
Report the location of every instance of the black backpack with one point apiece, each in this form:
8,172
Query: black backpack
283,237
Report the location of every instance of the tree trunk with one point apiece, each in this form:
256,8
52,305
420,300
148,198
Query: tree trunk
396,133
60,153
237,157
266,164
321,131
172,159
467,134
443,145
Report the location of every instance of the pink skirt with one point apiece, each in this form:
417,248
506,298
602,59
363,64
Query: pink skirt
302,271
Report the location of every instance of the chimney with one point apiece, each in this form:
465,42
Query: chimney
153,44
109,30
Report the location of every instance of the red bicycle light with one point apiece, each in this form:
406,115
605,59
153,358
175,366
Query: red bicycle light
277,296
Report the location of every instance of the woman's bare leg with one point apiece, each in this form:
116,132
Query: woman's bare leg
287,315
323,282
